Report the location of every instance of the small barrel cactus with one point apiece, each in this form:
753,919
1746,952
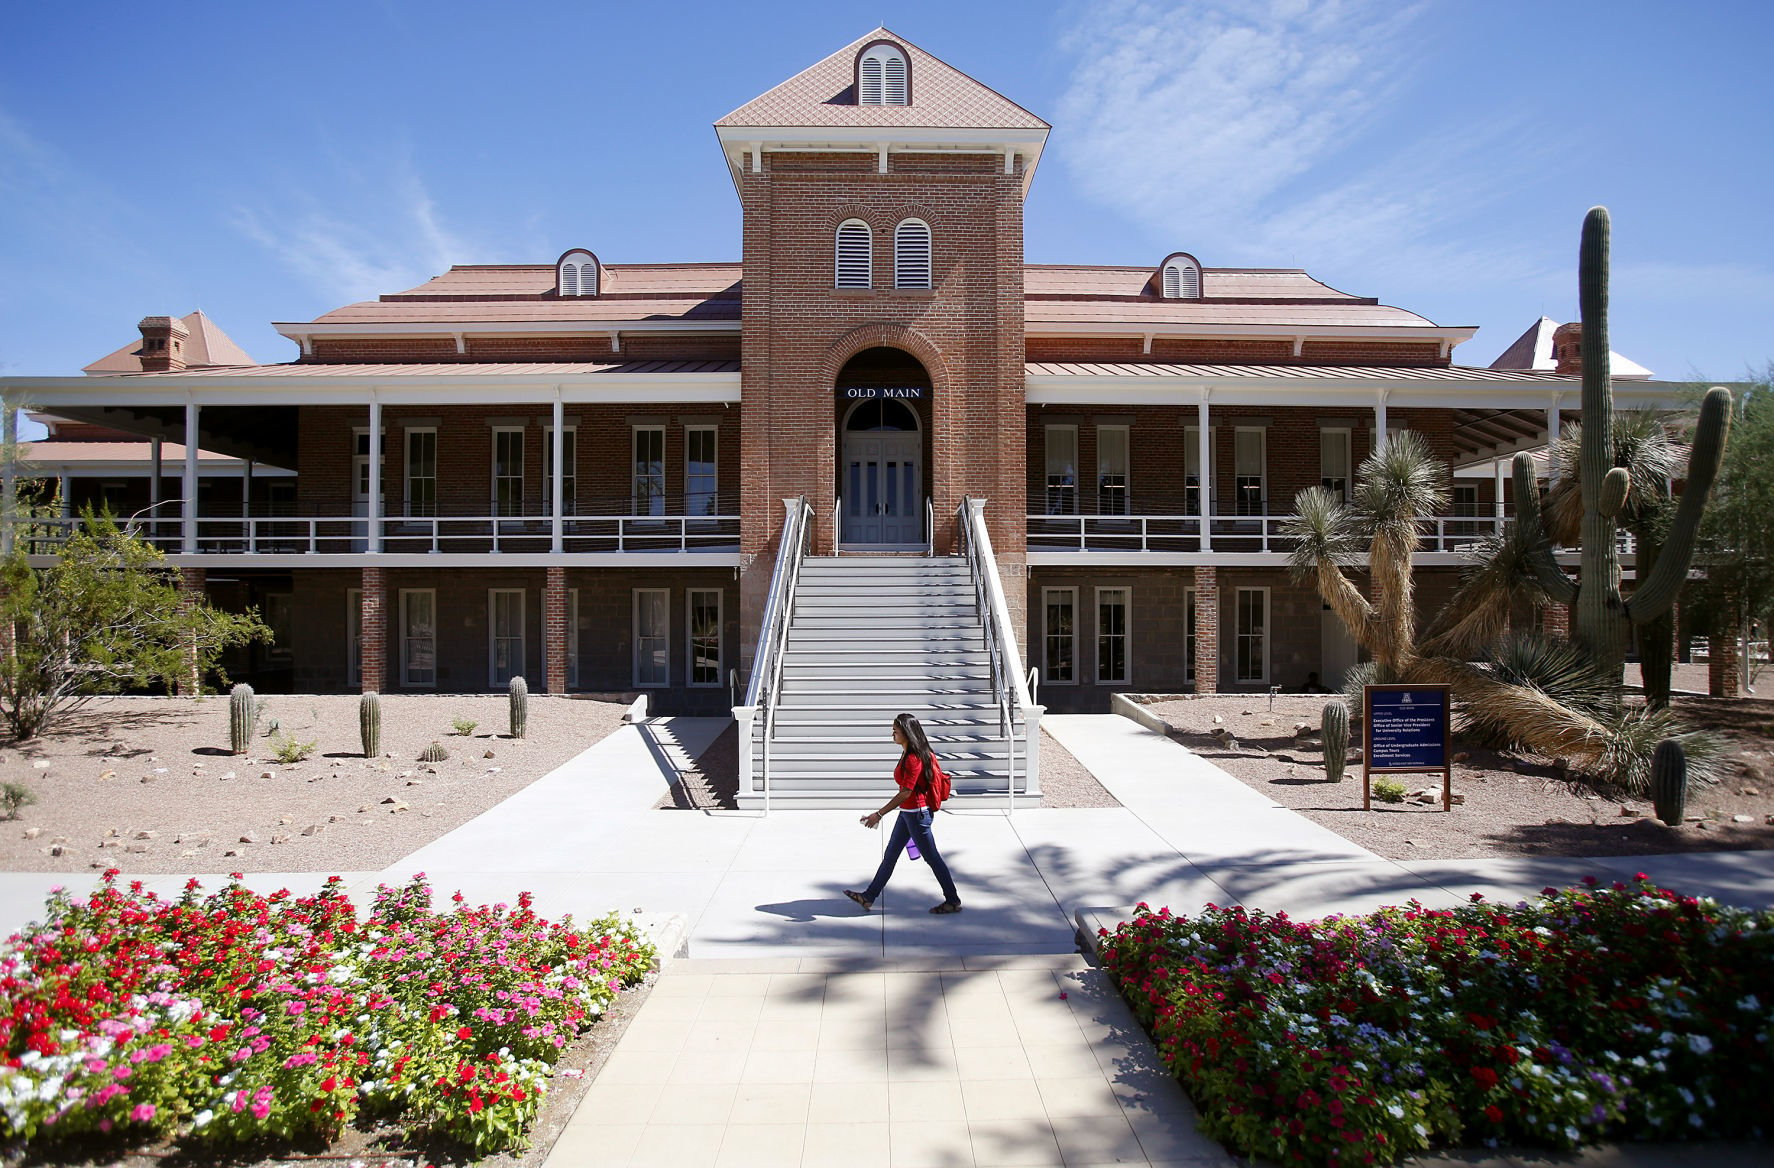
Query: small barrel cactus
436,752
1669,782
240,717
369,720
520,707
1334,725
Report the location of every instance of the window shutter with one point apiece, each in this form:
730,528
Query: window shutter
893,88
870,90
1189,282
569,279
1172,281
588,279
855,254
911,248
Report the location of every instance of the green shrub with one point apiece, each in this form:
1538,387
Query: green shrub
14,798
285,749
1388,791
463,726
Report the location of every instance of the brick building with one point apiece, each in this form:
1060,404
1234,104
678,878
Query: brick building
576,471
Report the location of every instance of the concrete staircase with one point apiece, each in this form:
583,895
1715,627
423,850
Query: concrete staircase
872,636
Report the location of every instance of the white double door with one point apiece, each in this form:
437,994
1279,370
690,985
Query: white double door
882,489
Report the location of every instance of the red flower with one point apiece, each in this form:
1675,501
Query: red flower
1494,1113
465,1033
1485,1077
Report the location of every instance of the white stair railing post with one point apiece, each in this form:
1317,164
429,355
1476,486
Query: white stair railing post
765,684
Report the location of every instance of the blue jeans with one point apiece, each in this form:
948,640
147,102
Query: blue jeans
912,825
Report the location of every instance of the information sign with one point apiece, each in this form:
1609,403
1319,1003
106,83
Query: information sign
879,392
1407,730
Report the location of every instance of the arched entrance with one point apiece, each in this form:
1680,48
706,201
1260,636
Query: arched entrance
883,451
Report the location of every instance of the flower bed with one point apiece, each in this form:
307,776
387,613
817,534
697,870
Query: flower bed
236,1016
1596,1013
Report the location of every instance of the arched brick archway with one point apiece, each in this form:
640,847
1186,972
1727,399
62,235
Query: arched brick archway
886,336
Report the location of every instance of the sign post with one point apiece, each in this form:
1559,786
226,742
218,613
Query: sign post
1407,731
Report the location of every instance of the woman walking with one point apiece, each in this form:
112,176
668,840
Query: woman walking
922,788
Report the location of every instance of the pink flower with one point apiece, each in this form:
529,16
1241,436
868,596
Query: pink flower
143,1112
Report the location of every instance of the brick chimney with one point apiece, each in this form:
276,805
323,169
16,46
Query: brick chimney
1567,343
163,344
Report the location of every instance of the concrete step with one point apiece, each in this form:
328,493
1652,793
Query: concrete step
888,619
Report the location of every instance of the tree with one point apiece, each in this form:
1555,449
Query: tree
1738,535
106,616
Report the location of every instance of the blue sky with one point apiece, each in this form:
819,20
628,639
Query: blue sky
272,162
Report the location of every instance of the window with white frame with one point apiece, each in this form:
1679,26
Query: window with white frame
1466,500
701,470
911,254
505,635
1111,635
418,637
1059,636
1252,649
652,637
854,259
648,490
1248,456
1188,634
1333,461
577,274
882,77
421,471
353,637
704,617
569,468
360,467
1062,470
1182,280
573,637
1112,471
508,470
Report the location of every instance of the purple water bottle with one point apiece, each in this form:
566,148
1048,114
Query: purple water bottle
911,849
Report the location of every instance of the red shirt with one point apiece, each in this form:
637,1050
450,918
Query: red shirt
908,774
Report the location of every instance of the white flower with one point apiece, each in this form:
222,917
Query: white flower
1699,1044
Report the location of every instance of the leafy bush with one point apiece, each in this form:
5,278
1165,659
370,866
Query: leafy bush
1595,1013
285,749
463,726
227,1018
1389,791
14,798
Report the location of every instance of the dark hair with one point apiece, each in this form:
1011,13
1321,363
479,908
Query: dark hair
915,742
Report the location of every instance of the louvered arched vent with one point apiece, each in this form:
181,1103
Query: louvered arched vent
855,254
576,274
1182,281
883,77
911,254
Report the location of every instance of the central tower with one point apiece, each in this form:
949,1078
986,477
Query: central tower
882,356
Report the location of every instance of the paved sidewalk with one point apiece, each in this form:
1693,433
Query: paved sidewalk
834,1064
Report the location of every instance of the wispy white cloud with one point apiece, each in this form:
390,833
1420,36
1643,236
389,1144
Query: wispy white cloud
1250,125
385,235
1686,282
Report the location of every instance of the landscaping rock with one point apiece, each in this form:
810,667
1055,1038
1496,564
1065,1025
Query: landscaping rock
267,774
147,835
226,775
107,776
150,778
232,852
1739,818
313,829
489,754
248,838
136,848
1630,811
33,832
280,839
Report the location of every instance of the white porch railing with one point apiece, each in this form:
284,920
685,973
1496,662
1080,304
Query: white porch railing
1010,687
756,719
1230,533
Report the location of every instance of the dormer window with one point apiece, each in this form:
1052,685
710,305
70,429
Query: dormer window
882,76
855,254
576,274
1182,278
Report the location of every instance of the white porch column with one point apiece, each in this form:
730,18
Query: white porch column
557,492
1499,476
375,484
1555,425
1204,462
246,504
9,476
1380,421
63,483
188,512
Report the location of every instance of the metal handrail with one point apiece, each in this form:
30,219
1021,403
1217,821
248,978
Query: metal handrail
766,677
837,521
929,527
1009,687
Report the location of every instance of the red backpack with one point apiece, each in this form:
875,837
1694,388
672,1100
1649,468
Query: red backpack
939,789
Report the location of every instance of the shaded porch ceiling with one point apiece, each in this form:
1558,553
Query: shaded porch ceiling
264,434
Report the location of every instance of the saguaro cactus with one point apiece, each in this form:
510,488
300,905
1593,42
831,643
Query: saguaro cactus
1669,782
1334,726
369,720
240,717
520,707
1603,614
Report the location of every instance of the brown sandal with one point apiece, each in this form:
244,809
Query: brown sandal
946,907
860,899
